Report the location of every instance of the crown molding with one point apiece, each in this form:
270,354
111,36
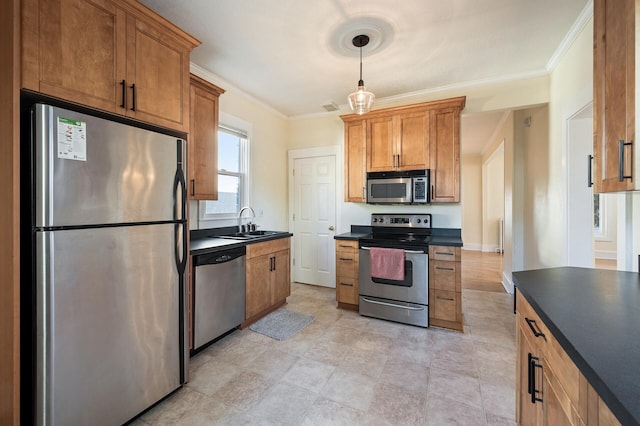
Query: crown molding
571,36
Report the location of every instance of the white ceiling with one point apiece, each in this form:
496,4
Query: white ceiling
296,56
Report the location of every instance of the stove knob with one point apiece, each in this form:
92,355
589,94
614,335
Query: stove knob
419,220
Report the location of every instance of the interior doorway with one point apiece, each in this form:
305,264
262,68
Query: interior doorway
580,217
312,194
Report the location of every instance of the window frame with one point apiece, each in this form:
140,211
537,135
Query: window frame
241,129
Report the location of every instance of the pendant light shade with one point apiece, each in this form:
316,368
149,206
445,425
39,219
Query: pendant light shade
361,100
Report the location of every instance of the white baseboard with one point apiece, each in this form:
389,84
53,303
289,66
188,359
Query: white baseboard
472,247
490,248
507,283
604,254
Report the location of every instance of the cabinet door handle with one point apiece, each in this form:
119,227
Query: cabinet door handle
590,170
537,332
348,285
193,187
399,164
431,198
133,97
532,378
346,258
340,245
450,299
124,94
445,269
446,253
621,175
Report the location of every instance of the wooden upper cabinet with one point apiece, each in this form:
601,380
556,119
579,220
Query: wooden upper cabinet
614,96
203,140
445,155
380,144
412,141
355,141
412,137
74,50
117,56
398,142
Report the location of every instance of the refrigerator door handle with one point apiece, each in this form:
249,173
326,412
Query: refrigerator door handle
180,185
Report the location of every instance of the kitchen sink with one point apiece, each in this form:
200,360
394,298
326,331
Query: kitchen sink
248,235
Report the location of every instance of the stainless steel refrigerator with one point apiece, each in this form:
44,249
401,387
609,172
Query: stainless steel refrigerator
107,267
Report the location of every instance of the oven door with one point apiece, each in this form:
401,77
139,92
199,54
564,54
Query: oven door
414,288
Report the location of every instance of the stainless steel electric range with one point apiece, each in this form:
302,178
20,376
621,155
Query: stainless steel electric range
403,298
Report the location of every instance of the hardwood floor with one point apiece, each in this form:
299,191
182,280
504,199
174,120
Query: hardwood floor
482,271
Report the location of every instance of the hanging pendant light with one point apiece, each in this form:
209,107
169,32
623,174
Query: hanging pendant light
361,100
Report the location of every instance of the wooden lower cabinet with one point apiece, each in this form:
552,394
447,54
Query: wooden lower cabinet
347,274
550,390
445,288
268,282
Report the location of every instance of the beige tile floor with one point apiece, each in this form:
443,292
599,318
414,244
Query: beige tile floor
345,369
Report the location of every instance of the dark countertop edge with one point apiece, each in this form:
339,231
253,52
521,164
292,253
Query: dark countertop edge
614,404
230,244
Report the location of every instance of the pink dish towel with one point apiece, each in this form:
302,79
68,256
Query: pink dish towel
387,263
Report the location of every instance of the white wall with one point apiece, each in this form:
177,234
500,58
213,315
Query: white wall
268,155
571,79
471,199
493,199
327,129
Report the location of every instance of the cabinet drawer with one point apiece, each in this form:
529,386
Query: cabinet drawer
346,265
444,275
564,370
258,249
444,305
347,290
347,246
531,323
445,253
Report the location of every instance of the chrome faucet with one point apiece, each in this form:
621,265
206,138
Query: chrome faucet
241,227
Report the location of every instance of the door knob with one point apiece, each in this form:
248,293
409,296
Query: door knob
331,228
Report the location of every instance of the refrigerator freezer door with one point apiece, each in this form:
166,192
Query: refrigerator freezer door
93,171
109,323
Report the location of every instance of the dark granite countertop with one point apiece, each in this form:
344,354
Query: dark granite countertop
595,316
439,236
207,240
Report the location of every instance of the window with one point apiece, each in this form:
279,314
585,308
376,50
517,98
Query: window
597,215
232,176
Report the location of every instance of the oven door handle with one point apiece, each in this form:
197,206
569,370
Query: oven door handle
406,251
375,302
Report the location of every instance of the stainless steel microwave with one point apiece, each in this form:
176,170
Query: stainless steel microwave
405,187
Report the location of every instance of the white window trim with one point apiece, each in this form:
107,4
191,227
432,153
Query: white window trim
233,123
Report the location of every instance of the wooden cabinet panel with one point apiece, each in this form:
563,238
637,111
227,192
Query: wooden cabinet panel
119,57
445,288
565,396
527,413
268,278
445,305
445,155
258,285
75,50
347,263
614,94
380,145
347,290
203,140
282,277
412,144
158,69
355,142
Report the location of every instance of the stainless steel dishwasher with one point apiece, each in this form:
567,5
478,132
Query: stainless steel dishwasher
218,294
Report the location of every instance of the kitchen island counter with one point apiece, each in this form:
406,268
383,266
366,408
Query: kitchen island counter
595,316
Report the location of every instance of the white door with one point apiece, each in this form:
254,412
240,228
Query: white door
314,220
579,194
